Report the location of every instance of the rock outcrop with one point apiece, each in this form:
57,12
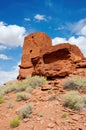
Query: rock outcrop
34,45
39,57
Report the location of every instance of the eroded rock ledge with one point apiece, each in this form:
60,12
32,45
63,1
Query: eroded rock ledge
39,57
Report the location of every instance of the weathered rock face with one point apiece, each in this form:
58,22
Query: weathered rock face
58,60
33,46
39,57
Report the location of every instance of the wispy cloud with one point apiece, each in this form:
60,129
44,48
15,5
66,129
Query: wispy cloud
79,28
2,47
59,28
40,17
27,19
4,57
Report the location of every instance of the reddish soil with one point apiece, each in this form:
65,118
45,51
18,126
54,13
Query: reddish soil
47,111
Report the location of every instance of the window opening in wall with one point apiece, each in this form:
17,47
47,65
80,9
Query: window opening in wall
30,51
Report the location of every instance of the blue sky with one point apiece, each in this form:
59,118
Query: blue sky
63,20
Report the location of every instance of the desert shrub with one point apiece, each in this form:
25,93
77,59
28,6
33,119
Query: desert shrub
36,81
75,82
10,105
22,96
25,111
9,87
64,115
21,86
74,100
1,100
29,89
14,123
1,93
29,84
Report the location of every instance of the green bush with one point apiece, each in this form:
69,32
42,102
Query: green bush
75,82
25,111
74,100
29,84
36,81
22,96
21,85
14,123
29,89
64,115
1,100
9,89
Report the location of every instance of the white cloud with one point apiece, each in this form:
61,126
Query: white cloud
83,31
80,42
79,28
2,47
4,57
27,19
6,76
58,40
11,35
40,17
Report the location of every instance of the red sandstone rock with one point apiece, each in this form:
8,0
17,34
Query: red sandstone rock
81,64
39,57
58,60
34,44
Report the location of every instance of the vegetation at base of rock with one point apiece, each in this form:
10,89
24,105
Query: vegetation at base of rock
14,123
25,111
29,84
74,100
1,100
22,96
75,82
36,81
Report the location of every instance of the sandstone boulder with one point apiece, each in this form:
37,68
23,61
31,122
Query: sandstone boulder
57,61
